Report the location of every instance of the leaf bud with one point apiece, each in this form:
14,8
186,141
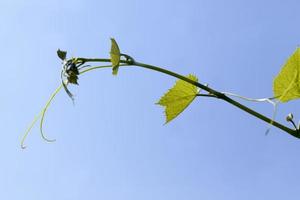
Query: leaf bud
289,117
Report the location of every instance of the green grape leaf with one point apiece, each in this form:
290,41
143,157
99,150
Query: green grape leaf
286,85
178,98
115,56
61,54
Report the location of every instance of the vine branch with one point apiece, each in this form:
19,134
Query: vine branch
76,66
211,92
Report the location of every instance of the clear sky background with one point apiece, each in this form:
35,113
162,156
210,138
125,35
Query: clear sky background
112,144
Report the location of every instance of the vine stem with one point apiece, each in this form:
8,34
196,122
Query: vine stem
211,92
124,63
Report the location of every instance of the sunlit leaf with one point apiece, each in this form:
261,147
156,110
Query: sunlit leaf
286,85
178,98
115,56
61,54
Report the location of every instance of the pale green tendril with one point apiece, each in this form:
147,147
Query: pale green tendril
41,115
271,100
44,111
29,129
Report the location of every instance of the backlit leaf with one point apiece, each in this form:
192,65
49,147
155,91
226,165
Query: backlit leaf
178,97
286,85
115,56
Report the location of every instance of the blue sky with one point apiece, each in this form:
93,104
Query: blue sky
112,144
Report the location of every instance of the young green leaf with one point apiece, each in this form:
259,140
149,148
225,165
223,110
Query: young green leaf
178,98
115,56
61,54
286,85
